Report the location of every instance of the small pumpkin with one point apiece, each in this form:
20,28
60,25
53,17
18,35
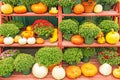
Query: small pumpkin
39,71
20,9
116,72
27,34
73,72
58,72
29,28
6,9
8,40
112,37
16,38
53,10
105,69
89,69
77,39
98,8
79,8
31,40
101,40
22,41
39,8
1,39
40,40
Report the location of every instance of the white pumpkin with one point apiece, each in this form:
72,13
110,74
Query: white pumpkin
39,71
31,40
58,72
105,69
98,8
8,40
22,41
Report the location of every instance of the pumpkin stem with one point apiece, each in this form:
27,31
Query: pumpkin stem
112,30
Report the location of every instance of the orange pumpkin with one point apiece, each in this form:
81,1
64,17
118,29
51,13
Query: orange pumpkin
27,34
39,8
79,8
40,40
29,28
1,39
20,9
73,72
77,39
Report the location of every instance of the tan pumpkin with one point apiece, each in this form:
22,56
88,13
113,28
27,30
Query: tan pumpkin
39,8
89,69
79,8
73,72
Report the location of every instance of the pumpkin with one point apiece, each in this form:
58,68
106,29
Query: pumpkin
6,9
98,8
79,8
112,37
27,34
58,72
89,69
105,69
8,40
39,71
77,39
101,40
53,10
1,39
20,9
116,72
29,28
31,40
101,34
73,72
22,41
39,8
40,40
16,38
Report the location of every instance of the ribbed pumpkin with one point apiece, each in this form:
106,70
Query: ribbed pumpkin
6,9
79,8
39,8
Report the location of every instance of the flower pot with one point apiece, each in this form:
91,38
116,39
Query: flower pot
7,75
26,72
89,40
106,7
67,10
85,59
29,8
88,6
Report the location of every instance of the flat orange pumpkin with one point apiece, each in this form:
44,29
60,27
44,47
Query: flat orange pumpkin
77,39
20,9
79,8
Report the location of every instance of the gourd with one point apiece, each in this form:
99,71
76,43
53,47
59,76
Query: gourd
101,40
54,36
116,72
39,8
89,69
27,34
98,8
79,8
39,71
20,9
6,9
8,40
31,40
112,37
73,72
53,10
77,39
16,38
105,69
22,41
58,72
40,40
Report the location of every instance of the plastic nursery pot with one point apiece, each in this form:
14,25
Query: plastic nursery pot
85,59
89,40
7,75
67,10
88,6
26,72
106,7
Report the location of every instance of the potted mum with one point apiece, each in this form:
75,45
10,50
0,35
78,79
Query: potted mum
89,31
23,63
67,5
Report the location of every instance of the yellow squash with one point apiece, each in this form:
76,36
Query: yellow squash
54,36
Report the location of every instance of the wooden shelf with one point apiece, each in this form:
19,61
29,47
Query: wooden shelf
69,44
47,43
30,14
19,76
104,13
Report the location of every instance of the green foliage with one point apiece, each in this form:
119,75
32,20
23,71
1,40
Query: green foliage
99,49
28,2
44,31
50,3
66,3
8,30
109,56
89,30
23,62
18,24
11,2
48,56
68,27
107,25
6,66
72,56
